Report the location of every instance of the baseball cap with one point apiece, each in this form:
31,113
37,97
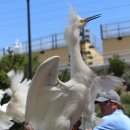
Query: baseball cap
105,96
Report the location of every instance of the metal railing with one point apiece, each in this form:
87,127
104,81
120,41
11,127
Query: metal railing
115,30
49,42
40,44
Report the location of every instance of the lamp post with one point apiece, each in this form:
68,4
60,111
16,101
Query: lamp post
29,41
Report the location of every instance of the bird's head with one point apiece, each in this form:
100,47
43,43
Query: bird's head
76,21
75,25
83,21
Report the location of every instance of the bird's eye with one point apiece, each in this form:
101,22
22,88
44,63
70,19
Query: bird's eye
82,21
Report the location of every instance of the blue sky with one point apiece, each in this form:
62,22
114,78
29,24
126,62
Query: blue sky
50,16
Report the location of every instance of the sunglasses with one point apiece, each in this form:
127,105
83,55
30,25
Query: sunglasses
105,102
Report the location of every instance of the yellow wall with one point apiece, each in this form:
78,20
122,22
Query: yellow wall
115,45
118,47
62,52
64,55
97,57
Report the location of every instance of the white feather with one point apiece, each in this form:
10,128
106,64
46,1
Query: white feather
19,90
5,122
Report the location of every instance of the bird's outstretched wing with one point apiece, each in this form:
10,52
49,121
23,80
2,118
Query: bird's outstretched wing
19,89
40,95
106,83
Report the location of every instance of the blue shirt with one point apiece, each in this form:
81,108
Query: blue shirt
115,121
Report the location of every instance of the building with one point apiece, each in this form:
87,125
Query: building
116,40
90,54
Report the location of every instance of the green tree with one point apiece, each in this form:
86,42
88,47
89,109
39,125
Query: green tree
125,99
4,80
64,75
117,66
16,62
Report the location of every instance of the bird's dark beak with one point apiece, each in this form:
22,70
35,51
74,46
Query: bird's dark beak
86,20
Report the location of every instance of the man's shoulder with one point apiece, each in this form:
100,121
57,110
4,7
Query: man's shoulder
109,117
116,118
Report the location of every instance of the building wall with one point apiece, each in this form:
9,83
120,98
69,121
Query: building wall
97,58
114,46
63,52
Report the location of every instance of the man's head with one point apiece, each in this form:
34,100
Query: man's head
108,102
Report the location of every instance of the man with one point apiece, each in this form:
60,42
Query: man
114,117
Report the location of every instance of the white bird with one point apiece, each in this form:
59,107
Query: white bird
15,108
52,104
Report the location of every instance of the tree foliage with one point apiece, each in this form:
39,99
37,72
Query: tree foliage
15,62
4,80
116,65
64,75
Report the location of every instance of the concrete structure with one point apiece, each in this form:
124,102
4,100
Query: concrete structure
62,52
89,53
116,40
